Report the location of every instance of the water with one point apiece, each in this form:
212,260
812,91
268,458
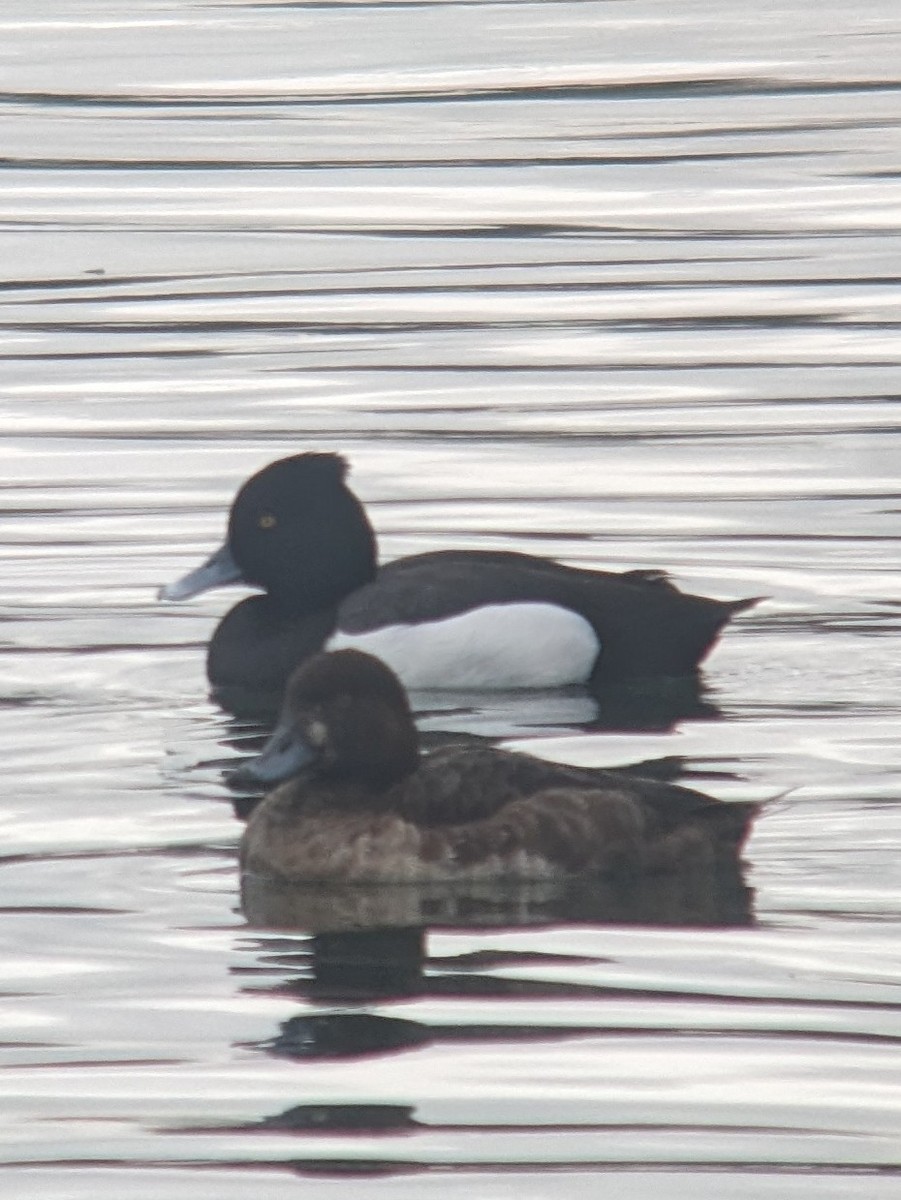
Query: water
612,282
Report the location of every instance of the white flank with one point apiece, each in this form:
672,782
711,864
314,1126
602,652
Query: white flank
496,647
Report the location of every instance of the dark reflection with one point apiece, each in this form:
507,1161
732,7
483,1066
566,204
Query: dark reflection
370,944
356,955
652,706
345,1035
673,768
708,896
326,1118
357,1035
638,706
367,964
342,1118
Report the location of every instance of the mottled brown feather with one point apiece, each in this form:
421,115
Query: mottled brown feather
372,810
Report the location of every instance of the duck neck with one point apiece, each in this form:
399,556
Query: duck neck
258,644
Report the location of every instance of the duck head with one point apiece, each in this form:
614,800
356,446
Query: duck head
295,530
345,717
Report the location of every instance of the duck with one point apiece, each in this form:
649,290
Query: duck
354,800
467,620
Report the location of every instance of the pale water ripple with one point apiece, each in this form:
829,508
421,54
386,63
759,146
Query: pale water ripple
610,282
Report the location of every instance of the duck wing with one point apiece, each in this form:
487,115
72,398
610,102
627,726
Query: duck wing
501,791
645,625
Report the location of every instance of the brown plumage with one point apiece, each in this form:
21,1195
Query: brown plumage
361,805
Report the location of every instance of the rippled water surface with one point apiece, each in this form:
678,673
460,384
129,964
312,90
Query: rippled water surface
614,282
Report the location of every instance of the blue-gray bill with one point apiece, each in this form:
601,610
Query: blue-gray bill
218,570
284,755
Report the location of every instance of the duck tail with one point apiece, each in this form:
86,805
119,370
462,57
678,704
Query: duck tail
737,606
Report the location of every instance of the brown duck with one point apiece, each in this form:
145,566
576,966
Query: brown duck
359,803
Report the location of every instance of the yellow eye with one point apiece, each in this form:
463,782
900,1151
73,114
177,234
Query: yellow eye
268,521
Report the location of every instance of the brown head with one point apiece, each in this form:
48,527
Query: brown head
345,716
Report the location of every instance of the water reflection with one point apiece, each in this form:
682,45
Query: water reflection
489,718
371,943
337,1118
717,896
656,706
346,1035
361,952
612,285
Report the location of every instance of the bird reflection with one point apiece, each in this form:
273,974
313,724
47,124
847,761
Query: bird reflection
331,1119
711,897
342,1118
345,1035
639,706
368,943
339,950
344,962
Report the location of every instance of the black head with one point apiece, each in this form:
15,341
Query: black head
345,717
298,531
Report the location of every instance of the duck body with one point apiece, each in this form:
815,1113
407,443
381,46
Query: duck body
534,622
454,619
476,814
359,804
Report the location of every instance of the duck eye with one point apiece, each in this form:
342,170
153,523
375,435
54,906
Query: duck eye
267,521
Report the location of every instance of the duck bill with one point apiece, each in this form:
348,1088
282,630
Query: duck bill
284,755
218,570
